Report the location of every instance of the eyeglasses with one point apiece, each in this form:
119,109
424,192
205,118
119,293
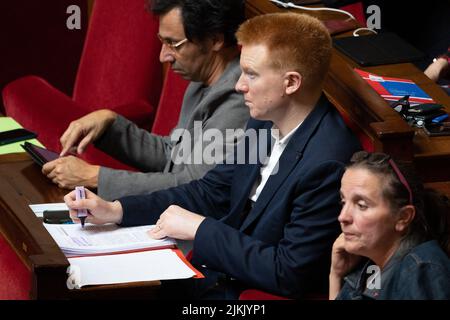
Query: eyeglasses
174,46
379,158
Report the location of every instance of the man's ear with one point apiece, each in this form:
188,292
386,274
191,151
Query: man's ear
218,41
292,81
405,217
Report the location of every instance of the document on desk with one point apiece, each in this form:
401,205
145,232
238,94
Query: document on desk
103,239
127,267
393,89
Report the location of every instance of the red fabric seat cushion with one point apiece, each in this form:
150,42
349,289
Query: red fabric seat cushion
50,123
169,107
15,278
357,10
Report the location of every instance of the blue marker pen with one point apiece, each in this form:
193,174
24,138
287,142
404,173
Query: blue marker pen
440,118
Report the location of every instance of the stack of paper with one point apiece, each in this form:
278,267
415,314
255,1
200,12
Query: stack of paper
129,267
109,254
100,239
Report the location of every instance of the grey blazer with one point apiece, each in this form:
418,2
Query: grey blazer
169,161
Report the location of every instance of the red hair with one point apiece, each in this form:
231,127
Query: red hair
296,42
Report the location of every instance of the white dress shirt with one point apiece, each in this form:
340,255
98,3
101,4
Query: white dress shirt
271,166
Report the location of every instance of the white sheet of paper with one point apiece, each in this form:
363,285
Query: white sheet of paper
128,267
39,209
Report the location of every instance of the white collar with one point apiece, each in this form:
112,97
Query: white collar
275,132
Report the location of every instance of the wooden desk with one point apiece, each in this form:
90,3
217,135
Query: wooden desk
386,129
22,184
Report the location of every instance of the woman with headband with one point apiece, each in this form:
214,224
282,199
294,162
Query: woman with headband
394,234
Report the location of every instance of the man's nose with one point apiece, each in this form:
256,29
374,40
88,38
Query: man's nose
166,55
241,86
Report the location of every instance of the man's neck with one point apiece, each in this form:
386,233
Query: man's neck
219,63
296,111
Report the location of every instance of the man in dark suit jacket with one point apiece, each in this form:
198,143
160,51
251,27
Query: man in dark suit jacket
270,223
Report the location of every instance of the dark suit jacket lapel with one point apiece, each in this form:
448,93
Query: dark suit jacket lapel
247,175
288,160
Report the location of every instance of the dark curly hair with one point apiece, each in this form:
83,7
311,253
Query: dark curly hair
205,18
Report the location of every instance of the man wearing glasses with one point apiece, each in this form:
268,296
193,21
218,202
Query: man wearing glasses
198,42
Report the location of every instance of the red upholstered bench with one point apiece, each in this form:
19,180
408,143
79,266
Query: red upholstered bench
170,102
15,277
119,70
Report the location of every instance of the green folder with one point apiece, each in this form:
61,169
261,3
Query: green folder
6,124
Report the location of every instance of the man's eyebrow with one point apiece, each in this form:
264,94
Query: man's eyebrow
247,69
168,38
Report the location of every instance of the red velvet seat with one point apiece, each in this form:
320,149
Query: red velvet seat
364,139
357,10
119,70
31,33
15,277
170,102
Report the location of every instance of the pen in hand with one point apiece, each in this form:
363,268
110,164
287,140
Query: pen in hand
81,213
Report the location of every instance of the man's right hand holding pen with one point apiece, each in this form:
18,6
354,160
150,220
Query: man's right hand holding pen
99,210
174,222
